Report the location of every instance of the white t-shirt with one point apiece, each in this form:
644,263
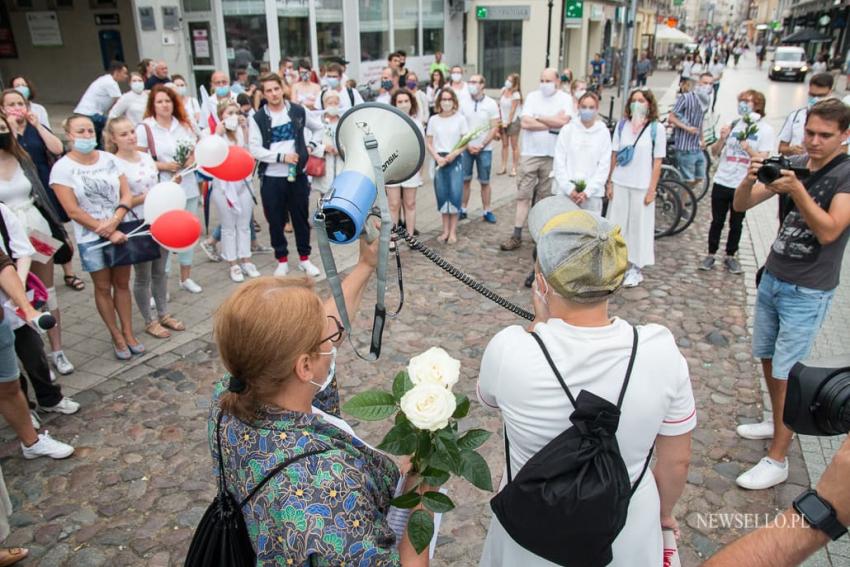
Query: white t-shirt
141,176
687,69
97,188
166,142
19,243
638,172
283,131
344,99
132,106
516,379
480,114
793,128
542,142
98,97
716,69
447,131
734,161
506,101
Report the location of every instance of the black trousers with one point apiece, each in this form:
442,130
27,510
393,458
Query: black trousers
284,200
30,350
721,204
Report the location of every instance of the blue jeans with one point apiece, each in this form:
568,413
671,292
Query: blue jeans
787,320
448,186
483,160
691,164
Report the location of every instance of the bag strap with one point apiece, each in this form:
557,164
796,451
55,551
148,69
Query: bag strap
553,367
786,203
151,142
629,369
643,472
350,95
507,453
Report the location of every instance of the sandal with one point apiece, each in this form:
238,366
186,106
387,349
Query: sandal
11,555
74,283
170,322
155,329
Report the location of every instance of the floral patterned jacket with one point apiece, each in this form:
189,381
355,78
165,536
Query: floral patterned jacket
325,509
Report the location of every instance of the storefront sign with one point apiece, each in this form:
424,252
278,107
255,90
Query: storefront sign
8,49
44,29
503,12
106,20
574,9
200,43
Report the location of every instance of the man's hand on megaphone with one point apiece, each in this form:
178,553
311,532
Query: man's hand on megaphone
369,250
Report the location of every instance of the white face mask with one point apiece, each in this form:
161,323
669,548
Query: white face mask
331,370
547,89
447,105
231,122
509,85
473,89
580,93
404,107
137,86
457,77
332,111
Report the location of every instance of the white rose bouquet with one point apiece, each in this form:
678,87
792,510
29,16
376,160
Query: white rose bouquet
183,152
426,428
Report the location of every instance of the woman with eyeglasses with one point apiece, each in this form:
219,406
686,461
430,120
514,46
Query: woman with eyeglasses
278,402
639,144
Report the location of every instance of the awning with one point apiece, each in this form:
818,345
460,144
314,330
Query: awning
672,35
806,36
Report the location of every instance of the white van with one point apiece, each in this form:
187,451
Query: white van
788,63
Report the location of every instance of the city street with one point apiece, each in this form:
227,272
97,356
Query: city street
142,475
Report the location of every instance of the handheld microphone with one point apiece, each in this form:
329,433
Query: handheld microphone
45,321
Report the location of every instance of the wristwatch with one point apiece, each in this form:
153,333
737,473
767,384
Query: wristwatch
819,514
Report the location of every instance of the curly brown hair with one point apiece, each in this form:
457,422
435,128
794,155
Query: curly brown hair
652,115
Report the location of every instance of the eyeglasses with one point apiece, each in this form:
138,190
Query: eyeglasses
337,336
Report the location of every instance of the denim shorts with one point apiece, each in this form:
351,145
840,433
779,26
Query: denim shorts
448,187
484,159
691,164
787,320
9,371
91,260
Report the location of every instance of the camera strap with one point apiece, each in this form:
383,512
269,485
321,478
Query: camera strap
383,257
786,203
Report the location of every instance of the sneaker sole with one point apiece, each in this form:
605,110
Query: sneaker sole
754,437
704,269
56,458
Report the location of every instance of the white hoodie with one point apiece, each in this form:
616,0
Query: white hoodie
583,153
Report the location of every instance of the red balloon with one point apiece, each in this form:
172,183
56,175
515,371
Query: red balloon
236,166
176,230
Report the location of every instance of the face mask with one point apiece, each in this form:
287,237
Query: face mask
5,140
333,82
587,114
565,78
137,87
180,90
813,100
547,89
231,122
305,76
222,92
411,85
580,93
744,108
509,85
638,110
85,145
24,90
473,89
332,111
404,107
457,77
331,370
541,294
386,84
704,95
447,105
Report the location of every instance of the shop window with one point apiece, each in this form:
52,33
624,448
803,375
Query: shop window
500,49
246,36
406,26
293,21
329,29
374,30
433,24
196,5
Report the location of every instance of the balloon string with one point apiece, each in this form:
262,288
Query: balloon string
129,235
187,170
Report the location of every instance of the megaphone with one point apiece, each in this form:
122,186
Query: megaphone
401,148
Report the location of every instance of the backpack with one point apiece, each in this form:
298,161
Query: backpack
221,538
625,155
570,500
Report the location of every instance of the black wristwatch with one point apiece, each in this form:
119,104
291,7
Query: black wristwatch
819,514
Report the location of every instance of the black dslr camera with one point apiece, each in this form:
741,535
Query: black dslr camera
818,400
772,167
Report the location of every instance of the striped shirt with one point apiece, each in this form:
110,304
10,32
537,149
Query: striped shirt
688,110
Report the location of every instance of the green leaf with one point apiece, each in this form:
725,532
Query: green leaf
446,456
437,502
424,447
473,439
373,405
401,384
462,406
408,500
434,477
420,530
401,418
400,440
474,468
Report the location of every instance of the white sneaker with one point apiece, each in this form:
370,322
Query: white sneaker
765,474
308,267
47,446
65,405
250,270
236,274
61,362
631,279
190,286
282,269
761,430
36,424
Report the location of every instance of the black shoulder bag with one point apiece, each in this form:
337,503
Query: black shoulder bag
137,249
570,500
221,538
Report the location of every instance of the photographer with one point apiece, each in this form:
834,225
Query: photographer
802,270
790,541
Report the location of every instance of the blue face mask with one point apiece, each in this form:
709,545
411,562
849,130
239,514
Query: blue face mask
331,370
813,100
586,114
744,108
222,92
333,82
85,145
24,90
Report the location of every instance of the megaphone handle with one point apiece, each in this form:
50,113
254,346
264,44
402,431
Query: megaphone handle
378,330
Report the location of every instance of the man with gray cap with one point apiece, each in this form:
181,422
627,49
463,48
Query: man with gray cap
581,263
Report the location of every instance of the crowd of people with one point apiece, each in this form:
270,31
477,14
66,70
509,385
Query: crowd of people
586,193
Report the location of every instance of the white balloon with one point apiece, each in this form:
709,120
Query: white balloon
163,197
211,151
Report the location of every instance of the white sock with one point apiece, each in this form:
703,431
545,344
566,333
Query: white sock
780,464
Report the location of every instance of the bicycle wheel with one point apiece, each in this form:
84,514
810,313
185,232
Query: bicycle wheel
688,202
701,191
668,210
670,172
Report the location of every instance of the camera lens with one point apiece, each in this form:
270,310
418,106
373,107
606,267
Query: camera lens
768,173
832,409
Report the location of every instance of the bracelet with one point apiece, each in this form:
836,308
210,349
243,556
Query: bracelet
122,206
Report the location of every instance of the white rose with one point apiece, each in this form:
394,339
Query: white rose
428,406
434,366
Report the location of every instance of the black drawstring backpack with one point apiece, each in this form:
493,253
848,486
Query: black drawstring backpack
570,500
221,538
